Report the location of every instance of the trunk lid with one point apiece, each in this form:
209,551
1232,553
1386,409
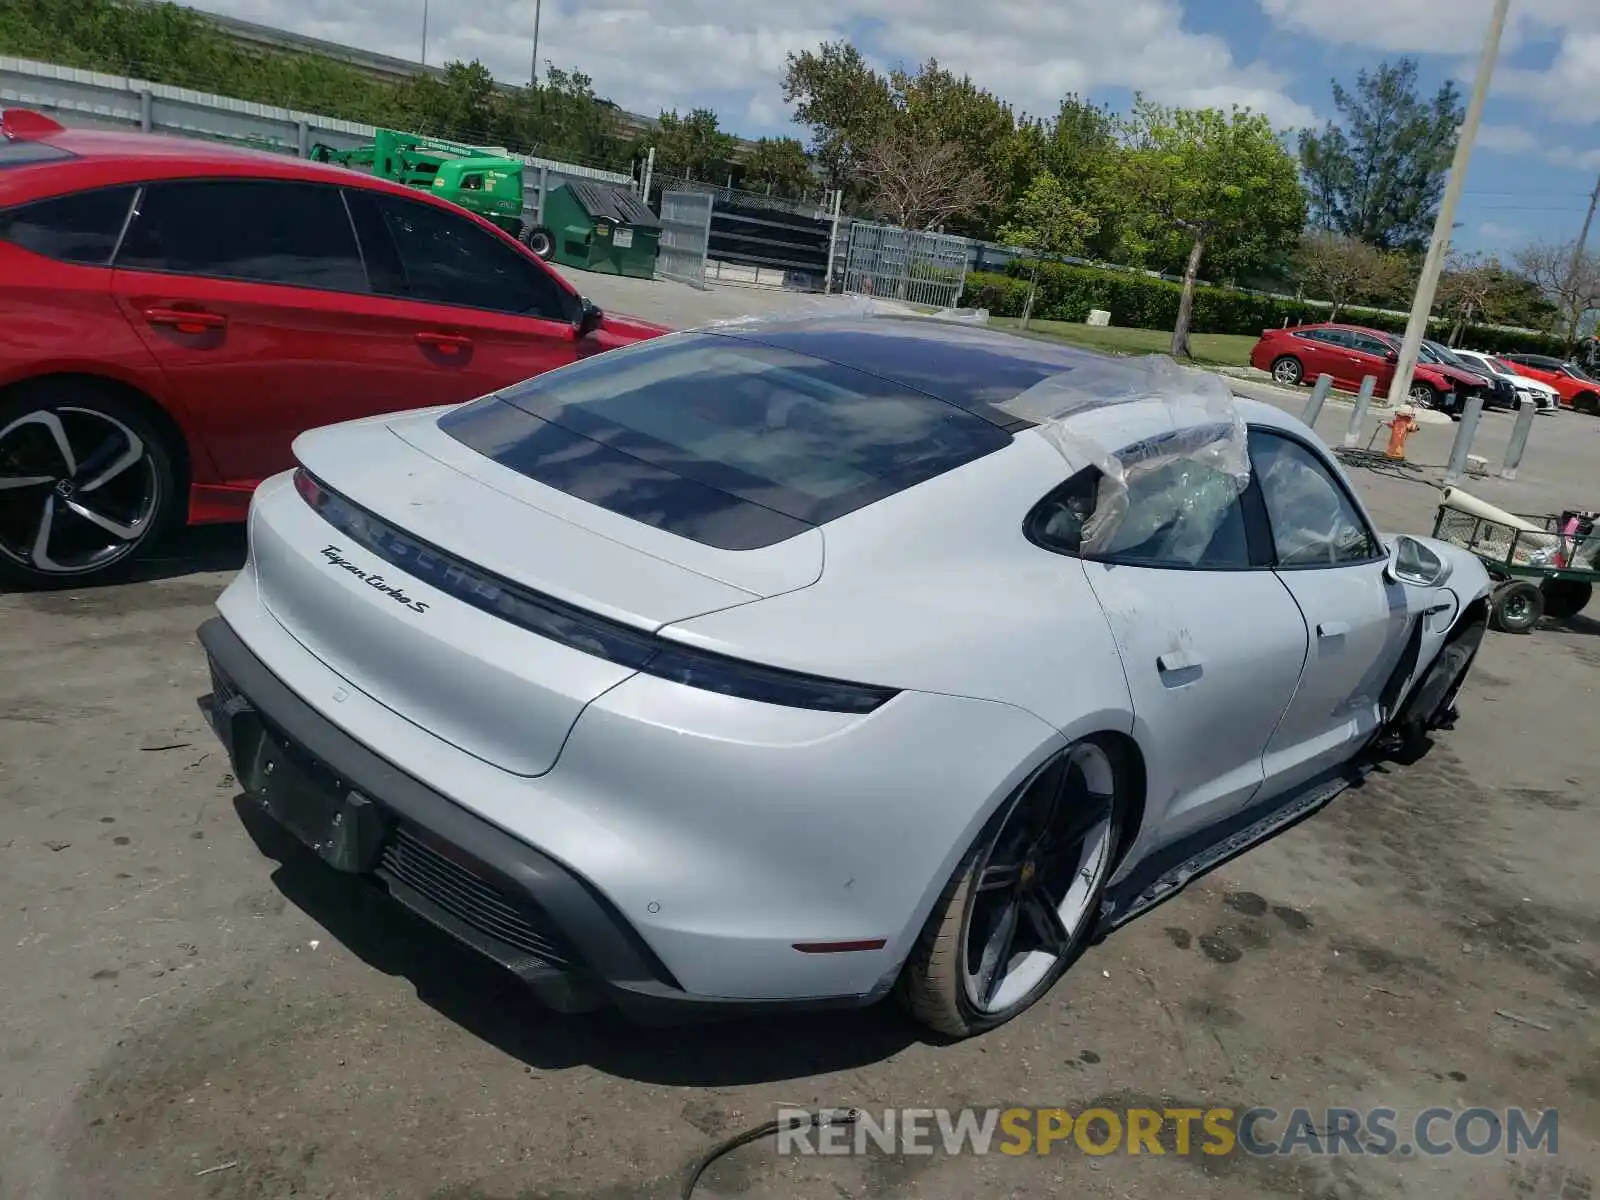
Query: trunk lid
409,602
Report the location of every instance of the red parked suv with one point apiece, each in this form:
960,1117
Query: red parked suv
173,313
1300,353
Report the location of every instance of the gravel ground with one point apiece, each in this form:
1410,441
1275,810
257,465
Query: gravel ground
184,991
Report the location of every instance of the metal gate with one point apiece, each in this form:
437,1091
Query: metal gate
685,236
900,264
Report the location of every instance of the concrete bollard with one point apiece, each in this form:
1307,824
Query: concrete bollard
1464,435
1519,438
1319,395
1358,417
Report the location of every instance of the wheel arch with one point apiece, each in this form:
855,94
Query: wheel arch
148,406
1129,762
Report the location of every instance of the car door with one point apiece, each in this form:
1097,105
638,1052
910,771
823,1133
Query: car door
1212,645
1321,353
1370,356
1333,564
235,286
457,302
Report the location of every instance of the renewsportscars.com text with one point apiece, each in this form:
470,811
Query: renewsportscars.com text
1259,1131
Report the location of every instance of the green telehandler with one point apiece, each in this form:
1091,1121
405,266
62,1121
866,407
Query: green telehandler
478,180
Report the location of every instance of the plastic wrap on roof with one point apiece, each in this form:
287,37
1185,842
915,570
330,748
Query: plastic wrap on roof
830,308
1186,476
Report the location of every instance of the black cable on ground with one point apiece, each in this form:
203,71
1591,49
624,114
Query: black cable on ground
814,1120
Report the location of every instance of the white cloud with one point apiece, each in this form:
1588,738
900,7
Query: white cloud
1508,139
730,55
1425,26
1569,88
1494,233
1516,140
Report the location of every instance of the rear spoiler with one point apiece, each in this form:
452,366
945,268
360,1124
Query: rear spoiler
23,124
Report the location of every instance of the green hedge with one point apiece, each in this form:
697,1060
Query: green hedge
1067,293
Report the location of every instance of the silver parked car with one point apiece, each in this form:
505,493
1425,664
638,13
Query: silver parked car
797,663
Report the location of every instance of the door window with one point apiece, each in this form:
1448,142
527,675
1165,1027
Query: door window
1368,344
260,230
80,228
1315,523
424,252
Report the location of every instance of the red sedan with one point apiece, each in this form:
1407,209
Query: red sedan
1577,389
1349,353
175,313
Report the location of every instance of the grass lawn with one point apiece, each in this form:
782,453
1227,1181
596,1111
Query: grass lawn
1210,349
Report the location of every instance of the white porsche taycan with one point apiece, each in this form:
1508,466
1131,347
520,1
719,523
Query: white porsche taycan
798,663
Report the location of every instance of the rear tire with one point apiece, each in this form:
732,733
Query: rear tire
1565,598
1058,835
1288,370
92,483
539,239
1516,606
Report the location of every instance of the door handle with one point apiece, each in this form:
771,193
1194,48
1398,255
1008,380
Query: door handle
1176,660
1332,629
185,320
450,343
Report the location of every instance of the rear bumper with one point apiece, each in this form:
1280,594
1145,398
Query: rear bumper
483,887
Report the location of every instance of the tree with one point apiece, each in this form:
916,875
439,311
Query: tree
1048,223
1079,147
936,107
1467,290
921,186
1379,173
1345,271
844,102
1573,292
1207,178
778,166
691,146
561,118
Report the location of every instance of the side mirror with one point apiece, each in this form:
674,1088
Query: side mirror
1413,562
1391,356
590,317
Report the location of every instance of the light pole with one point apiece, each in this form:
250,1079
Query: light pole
1577,263
1444,224
533,73
424,32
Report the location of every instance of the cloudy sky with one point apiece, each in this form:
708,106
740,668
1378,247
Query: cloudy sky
1536,160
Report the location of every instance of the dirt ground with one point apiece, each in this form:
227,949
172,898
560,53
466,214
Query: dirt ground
183,991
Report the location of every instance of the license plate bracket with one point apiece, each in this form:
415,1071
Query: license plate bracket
340,825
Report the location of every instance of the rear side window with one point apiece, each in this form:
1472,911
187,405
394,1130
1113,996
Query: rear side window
730,443
422,252
258,230
80,228
1180,513
20,153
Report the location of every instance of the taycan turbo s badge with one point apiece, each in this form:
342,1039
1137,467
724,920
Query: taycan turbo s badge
336,557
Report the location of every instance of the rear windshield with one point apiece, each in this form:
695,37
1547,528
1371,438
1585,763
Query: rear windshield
728,442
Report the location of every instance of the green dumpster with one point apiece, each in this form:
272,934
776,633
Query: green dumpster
597,227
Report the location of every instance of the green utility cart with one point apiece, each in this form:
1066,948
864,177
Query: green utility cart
597,227
481,181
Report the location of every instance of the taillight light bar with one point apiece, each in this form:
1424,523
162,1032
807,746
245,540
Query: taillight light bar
580,629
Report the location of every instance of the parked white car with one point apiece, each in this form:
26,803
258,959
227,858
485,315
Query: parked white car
1544,397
